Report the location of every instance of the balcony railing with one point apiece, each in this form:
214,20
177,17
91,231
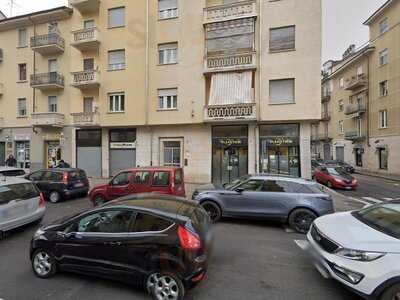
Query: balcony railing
85,79
326,116
51,43
358,109
85,6
48,119
44,81
317,137
86,118
231,112
354,136
86,39
232,11
357,82
326,96
240,61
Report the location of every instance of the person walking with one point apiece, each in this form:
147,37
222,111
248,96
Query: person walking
11,161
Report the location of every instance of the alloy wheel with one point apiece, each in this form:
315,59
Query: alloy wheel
164,287
54,197
303,222
212,211
42,264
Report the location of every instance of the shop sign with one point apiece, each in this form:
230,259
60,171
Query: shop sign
282,141
22,137
227,142
123,145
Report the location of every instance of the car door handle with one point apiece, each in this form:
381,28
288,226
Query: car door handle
113,243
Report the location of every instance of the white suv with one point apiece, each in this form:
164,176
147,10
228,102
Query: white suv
360,249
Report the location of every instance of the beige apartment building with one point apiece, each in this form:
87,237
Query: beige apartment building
362,93
220,87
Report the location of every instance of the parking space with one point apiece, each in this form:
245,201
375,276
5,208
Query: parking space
254,260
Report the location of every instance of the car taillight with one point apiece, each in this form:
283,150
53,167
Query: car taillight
188,240
65,177
41,200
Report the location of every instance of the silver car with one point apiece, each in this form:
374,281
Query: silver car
21,203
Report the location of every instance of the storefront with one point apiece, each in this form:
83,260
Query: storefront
358,152
230,153
88,151
280,149
122,149
52,153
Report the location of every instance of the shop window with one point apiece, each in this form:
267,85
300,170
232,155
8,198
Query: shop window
383,158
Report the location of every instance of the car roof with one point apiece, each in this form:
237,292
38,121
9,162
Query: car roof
12,180
282,178
59,170
151,169
10,169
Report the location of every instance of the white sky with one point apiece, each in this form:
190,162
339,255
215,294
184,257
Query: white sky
342,20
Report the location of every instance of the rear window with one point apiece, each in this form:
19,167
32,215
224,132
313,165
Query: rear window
178,176
22,191
146,223
161,179
13,173
52,176
75,175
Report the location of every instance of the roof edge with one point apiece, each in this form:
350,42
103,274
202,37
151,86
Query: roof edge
70,10
378,12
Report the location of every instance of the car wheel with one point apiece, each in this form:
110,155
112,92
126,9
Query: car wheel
392,293
99,200
301,220
54,197
165,286
213,210
43,264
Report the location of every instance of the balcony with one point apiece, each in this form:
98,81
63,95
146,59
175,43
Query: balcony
326,116
230,112
356,82
233,62
86,39
321,137
85,6
86,119
354,136
355,109
47,81
326,97
1,89
46,44
232,11
86,80
49,119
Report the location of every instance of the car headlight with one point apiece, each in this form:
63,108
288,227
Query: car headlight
360,255
38,233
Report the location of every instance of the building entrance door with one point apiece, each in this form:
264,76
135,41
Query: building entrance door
53,154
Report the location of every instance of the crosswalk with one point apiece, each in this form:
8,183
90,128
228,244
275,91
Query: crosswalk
372,200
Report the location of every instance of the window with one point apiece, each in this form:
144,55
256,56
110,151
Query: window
383,88
22,112
383,57
172,153
274,186
161,179
168,99
341,105
383,119
360,70
53,103
341,127
52,176
36,176
116,102
22,72
116,17
142,178
53,65
252,185
341,83
167,9
22,37
112,221
88,24
17,192
116,60
88,104
282,39
282,91
383,158
148,223
121,179
383,25
359,157
88,64
168,53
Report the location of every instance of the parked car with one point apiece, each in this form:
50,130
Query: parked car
161,180
335,177
333,163
360,249
21,203
12,172
59,184
159,241
289,200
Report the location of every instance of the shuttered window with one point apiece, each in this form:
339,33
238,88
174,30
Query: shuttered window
116,60
167,9
168,53
22,38
282,39
116,17
282,91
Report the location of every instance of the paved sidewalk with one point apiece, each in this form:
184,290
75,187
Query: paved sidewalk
378,175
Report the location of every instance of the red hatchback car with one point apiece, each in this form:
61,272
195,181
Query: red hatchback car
335,177
160,180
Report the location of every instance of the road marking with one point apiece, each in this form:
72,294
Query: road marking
359,200
303,244
372,199
289,230
388,199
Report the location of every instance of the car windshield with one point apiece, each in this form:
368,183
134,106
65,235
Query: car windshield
229,186
336,171
383,217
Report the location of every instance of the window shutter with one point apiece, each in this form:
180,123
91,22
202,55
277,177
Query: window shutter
282,91
167,4
116,17
282,38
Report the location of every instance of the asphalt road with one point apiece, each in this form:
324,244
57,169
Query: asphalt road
251,260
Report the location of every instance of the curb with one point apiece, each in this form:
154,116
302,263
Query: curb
378,176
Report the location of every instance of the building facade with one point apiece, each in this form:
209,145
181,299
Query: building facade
362,93
221,88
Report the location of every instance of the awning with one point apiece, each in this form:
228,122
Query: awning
231,88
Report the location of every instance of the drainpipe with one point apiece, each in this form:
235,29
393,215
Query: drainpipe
147,80
34,73
260,86
368,102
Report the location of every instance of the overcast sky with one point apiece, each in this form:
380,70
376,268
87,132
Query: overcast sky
342,20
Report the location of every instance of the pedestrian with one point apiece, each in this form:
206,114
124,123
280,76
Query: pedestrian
11,161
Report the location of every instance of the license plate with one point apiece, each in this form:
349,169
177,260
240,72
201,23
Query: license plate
79,185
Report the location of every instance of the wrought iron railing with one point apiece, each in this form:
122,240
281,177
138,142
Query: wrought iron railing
47,40
51,78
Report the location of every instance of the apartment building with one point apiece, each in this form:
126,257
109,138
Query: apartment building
220,87
362,92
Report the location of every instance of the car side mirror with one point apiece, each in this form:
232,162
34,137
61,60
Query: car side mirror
239,190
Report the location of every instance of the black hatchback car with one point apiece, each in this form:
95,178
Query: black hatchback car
59,184
159,242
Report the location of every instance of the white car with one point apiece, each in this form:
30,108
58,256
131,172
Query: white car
21,203
360,249
12,172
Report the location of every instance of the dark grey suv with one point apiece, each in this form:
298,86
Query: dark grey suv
289,200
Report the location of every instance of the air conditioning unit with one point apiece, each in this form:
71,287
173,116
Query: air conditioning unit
1,55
